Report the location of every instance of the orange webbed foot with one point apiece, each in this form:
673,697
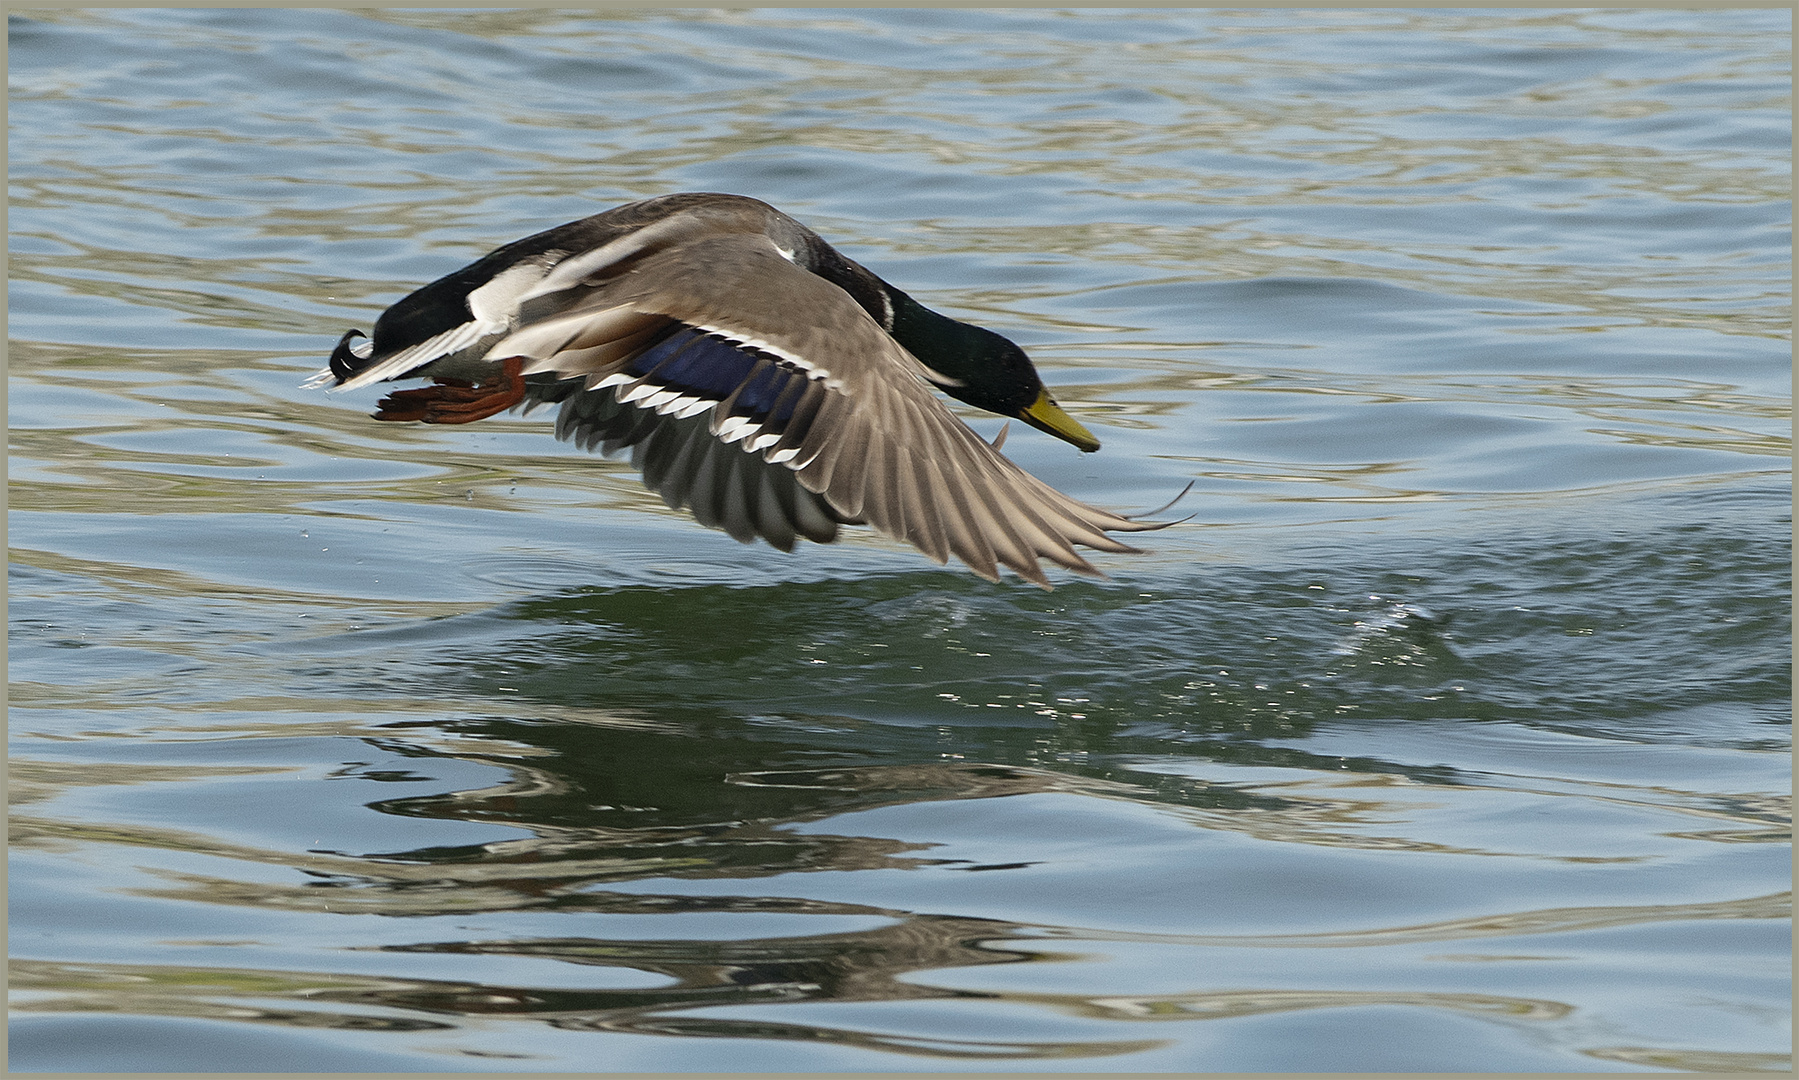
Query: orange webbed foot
455,401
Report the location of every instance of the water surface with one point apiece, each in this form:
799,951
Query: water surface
1450,733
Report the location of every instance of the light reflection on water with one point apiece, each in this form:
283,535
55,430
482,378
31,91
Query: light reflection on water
1449,734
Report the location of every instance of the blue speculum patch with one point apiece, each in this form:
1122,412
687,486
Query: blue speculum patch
698,363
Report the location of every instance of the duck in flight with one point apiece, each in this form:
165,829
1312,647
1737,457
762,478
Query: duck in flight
759,378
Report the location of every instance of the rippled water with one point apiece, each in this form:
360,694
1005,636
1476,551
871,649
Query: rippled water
1450,733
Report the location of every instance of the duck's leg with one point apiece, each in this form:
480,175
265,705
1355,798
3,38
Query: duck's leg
454,401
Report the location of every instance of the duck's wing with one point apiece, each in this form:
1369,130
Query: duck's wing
786,369
680,460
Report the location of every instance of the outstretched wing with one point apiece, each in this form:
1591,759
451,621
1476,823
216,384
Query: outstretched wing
725,402
681,460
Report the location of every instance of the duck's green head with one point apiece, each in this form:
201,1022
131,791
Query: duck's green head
984,369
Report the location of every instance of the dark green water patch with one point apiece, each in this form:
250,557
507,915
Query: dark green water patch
1579,631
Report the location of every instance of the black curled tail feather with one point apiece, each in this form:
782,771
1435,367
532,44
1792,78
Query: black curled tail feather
344,362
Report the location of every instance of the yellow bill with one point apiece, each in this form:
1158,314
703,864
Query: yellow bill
1045,415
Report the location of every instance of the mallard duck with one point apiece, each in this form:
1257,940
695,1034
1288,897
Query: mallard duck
760,379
